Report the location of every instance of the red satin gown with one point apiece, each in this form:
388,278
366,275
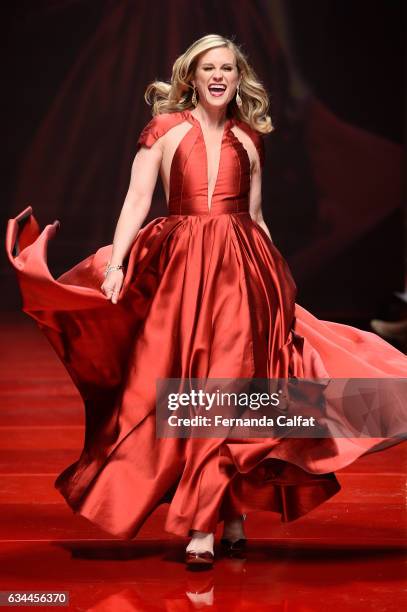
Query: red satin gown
206,294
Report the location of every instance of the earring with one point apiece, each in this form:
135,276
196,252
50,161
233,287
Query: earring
194,98
238,98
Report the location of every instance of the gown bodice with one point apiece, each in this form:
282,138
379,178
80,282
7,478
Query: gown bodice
188,182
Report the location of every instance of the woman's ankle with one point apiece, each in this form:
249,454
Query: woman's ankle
201,541
233,529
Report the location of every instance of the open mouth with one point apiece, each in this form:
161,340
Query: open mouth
217,90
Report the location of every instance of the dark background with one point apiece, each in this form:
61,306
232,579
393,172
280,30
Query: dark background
75,72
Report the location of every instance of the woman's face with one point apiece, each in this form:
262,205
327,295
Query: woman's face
216,77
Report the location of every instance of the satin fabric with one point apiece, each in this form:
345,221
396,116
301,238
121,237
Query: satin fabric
206,295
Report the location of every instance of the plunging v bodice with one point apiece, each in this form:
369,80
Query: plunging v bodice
188,181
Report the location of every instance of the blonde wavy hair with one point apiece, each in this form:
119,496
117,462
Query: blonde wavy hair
176,95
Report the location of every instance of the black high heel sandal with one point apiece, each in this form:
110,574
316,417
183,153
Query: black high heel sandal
199,558
237,546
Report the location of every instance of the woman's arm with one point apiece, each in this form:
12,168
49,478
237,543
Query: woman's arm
137,203
255,210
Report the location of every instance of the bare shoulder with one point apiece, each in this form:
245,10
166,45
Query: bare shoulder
252,142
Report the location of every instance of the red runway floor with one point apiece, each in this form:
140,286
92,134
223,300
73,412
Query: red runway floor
348,554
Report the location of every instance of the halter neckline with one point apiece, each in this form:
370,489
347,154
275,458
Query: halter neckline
228,123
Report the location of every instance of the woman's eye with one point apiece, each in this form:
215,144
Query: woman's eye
229,68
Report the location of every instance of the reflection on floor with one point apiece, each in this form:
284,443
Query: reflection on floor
348,554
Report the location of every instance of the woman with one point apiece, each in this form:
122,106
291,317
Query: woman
200,293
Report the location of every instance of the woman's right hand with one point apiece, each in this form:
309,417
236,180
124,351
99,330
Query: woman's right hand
112,285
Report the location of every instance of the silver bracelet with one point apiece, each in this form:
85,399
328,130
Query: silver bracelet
110,268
